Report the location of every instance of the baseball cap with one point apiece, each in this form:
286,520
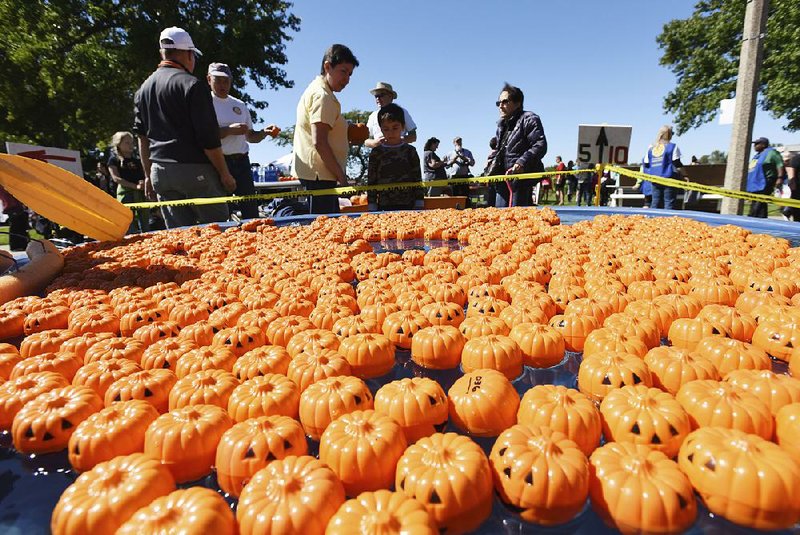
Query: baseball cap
178,39
763,140
219,69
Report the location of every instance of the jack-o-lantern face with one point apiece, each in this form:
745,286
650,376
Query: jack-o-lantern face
133,320
15,393
719,462
240,339
530,463
419,405
400,327
574,329
326,400
600,374
777,339
644,415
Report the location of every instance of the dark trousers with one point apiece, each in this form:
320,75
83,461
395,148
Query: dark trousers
18,229
760,209
520,195
665,194
321,204
239,166
462,190
585,191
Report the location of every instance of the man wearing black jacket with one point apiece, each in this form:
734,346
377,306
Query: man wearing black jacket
521,147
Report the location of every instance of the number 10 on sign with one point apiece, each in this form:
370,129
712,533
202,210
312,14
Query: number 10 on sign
603,144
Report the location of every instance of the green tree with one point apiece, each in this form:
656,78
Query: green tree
703,52
357,155
716,157
69,68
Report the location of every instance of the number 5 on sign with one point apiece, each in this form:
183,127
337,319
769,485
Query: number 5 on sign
601,143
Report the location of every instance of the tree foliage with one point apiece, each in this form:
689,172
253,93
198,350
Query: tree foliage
69,68
357,155
703,52
716,157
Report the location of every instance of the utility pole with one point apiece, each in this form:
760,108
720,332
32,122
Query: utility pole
752,53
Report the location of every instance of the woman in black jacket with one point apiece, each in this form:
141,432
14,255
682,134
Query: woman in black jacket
434,167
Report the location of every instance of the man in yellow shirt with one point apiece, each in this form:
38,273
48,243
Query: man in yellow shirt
320,133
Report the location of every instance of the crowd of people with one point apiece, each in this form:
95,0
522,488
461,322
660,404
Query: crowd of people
193,143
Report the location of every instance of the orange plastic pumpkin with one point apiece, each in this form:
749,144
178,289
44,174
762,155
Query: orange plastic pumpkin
483,403
185,440
115,430
482,325
192,511
496,352
382,511
450,475
400,327
604,339
205,358
776,390
438,347
720,404
89,320
265,395
165,353
201,333
118,347
158,330
14,394
328,399
258,317
312,340
418,404
777,339
357,324
67,364
574,329
310,367
131,321
727,354
541,472
637,489
51,317
280,331
152,386
99,375
672,367
362,448
249,446
206,387
743,477
736,325
787,428
369,355
600,374
239,339
105,497
644,415
81,344
564,410
444,313
44,342
291,495
542,346
644,329
261,361
227,316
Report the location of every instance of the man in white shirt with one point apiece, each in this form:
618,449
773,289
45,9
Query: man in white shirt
384,94
235,132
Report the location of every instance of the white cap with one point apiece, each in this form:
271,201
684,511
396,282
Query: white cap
178,39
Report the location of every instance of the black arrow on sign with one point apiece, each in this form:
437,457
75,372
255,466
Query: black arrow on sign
602,143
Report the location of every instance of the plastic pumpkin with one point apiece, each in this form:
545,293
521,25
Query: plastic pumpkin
206,387
84,321
400,327
715,294
280,331
46,423
662,314
115,430
158,330
16,393
600,374
362,448
67,364
787,428
496,352
152,386
483,403
205,358
564,410
227,316
743,477
644,415
687,333
736,324
357,324
326,400
265,395
450,475
542,346
727,354
258,317
541,472
673,367
418,404
312,340
105,497
369,355
44,342
201,333
310,367
261,361
604,339
777,339
185,440
117,347
239,339
720,404
81,344
382,511
292,495
574,329
165,353
438,347
482,325
644,329
637,489
776,390
99,375
193,511
444,313
131,321
52,317
249,446
326,314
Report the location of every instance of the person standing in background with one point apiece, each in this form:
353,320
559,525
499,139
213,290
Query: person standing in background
793,180
179,137
766,172
462,160
560,181
663,159
434,167
235,132
127,173
384,95
320,134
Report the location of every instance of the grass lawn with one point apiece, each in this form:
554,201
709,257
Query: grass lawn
4,235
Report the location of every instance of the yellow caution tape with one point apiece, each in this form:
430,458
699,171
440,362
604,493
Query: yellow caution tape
353,190
736,194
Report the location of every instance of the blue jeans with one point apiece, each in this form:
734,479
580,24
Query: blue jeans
521,193
585,191
321,204
239,167
665,194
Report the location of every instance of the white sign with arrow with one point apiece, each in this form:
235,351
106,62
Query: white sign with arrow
63,158
603,143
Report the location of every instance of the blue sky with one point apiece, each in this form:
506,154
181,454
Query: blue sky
578,62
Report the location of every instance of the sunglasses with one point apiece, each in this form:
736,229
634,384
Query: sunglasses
381,95
505,102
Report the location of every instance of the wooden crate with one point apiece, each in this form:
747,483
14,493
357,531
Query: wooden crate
433,203
353,209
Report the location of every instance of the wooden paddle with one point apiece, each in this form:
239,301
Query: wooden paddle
64,197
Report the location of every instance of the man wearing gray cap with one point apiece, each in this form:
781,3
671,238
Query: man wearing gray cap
384,94
236,131
766,171
179,141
